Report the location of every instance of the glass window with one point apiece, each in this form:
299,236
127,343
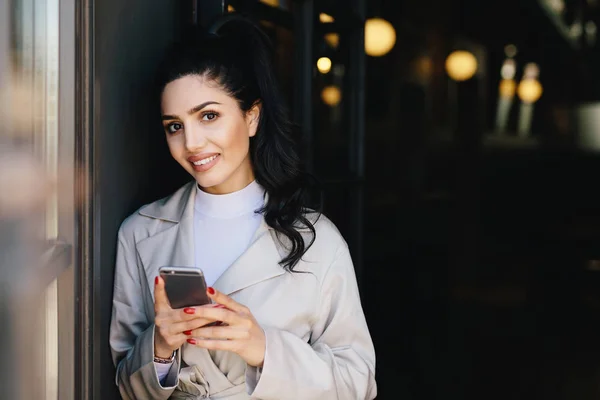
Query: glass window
38,42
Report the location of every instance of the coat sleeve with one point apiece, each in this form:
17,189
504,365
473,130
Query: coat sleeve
132,333
339,361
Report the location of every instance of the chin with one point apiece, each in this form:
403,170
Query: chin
208,182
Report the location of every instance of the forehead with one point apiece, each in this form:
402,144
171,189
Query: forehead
187,92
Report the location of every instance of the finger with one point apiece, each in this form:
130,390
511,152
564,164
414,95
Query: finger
175,341
220,332
212,344
190,313
186,327
161,301
227,301
221,314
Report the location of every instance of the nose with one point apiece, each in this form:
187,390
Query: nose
194,138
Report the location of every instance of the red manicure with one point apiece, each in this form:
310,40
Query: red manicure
191,341
210,290
189,310
156,280
189,333
219,306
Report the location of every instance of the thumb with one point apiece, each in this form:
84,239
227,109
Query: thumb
161,300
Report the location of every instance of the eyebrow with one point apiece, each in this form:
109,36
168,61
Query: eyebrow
190,111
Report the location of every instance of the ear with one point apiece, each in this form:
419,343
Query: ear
253,117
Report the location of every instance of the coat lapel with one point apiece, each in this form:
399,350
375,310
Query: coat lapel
174,246
258,263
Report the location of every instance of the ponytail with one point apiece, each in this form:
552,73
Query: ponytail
237,54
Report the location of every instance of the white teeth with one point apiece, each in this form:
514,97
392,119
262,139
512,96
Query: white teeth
206,160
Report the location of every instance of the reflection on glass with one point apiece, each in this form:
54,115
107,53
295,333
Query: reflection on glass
35,93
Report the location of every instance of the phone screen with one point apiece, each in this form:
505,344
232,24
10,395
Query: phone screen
185,287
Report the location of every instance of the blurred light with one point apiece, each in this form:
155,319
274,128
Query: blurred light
558,6
324,65
331,95
324,18
509,69
272,3
230,9
590,30
510,50
576,30
529,90
423,67
507,88
532,71
332,39
380,37
461,65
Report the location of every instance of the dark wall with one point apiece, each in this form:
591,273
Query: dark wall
132,165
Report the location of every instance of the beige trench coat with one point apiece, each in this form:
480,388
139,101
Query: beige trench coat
318,345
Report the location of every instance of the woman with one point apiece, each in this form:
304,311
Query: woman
289,318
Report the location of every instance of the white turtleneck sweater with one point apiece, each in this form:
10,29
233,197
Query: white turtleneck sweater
223,228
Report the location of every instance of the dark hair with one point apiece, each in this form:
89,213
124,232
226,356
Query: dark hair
239,58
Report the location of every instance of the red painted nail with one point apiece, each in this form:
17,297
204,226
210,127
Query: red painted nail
189,310
191,341
156,280
219,306
189,333
210,290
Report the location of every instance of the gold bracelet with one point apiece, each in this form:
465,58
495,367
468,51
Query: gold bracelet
161,360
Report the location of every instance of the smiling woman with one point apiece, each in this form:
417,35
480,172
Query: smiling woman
245,221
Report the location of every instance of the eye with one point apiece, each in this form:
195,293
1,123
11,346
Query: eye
209,116
174,127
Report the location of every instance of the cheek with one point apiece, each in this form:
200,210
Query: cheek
176,146
237,141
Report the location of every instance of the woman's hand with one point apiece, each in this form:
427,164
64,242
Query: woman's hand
172,327
239,332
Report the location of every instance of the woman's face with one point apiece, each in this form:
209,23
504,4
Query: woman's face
208,134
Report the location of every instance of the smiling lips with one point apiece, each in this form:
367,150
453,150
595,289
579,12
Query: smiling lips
204,162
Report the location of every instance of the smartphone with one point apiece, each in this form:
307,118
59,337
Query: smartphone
185,286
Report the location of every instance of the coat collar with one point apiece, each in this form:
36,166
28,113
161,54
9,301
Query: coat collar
174,245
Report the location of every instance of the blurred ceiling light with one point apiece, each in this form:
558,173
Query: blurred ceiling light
529,90
461,65
510,50
230,9
325,18
590,30
324,65
332,39
331,95
576,30
272,3
558,6
507,88
509,69
380,37
531,71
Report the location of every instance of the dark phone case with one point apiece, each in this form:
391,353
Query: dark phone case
185,289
